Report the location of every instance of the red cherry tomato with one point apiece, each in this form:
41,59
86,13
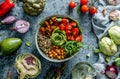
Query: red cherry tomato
73,24
70,38
68,32
62,27
84,2
65,21
68,27
75,31
79,38
84,8
72,4
92,10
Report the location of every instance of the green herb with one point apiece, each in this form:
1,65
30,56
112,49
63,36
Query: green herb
117,61
28,43
78,10
71,47
107,59
96,51
59,19
41,22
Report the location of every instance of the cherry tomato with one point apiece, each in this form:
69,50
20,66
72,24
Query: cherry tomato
62,27
75,31
84,2
84,8
73,24
79,38
92,10
70,37
65,21
68,27
68,32
72,4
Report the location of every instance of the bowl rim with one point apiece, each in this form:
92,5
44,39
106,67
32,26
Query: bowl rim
41,52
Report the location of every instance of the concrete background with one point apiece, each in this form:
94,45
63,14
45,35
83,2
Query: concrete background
52,7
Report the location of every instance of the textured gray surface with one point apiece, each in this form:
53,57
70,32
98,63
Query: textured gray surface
52,7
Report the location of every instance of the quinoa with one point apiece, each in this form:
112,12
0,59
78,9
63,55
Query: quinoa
44,42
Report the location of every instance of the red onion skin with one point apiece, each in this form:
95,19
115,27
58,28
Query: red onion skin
111,71
8,20
21,26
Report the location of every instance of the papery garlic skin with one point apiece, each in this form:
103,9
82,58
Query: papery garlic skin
107,46
115,15
114,33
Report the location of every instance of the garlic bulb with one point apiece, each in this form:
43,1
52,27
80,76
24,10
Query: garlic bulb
115,15
112,2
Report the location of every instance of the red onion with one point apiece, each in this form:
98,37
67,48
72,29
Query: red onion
21,26
111,71
8,20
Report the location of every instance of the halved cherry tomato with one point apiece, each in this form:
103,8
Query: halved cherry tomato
62,27
65,21
73,24
70,37
75,31
68,32
92,10
84,2
72,4
84,8
79,38
68,27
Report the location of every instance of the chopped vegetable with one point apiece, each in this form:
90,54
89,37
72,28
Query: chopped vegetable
71,47
78,38
27,65
96,51
111,71
117,62
8,20
72,4
28,43
84,8
21,26
58,37
107,59
92,10
6,6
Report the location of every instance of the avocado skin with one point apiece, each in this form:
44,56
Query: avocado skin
10,45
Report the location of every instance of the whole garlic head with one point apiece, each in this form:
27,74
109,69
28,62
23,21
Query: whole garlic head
115,15
112,2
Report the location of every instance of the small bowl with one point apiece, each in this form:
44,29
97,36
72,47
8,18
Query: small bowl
41,52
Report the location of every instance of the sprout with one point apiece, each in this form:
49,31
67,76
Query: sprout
27,65
107,46
114,33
